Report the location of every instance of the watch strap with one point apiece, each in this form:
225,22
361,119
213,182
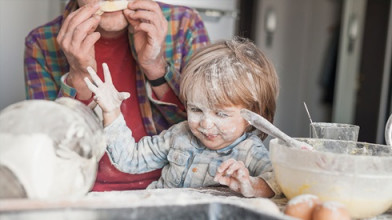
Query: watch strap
158,82
161,80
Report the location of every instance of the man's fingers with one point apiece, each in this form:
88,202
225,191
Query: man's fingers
148,28
74,19
90,40
157,24
84,29
85,13
145,16
94,76
144,5
90,85
146,11
64,27
106,73
128,15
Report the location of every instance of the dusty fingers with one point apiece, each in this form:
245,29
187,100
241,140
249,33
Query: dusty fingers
106,95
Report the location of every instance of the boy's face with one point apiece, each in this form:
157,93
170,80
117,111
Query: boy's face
215,128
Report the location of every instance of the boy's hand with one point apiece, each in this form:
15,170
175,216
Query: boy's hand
106,95
236,176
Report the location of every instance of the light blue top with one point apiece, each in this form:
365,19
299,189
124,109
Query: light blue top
186,162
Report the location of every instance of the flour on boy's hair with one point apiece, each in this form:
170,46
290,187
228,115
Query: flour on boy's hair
232,72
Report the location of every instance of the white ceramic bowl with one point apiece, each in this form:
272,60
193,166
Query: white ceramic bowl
356,174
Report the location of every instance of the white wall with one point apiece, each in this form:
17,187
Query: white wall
299,45
17,18
219,19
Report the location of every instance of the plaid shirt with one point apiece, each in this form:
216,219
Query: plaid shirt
185,161
45,63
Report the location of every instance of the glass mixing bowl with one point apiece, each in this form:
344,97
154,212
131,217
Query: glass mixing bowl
356,174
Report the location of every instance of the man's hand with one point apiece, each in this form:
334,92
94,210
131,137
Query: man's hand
76,38
236,176
106,95
150,28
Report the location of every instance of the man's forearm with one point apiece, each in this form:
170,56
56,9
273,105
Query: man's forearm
83,93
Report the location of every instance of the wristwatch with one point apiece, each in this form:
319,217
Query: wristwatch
161,80
157,82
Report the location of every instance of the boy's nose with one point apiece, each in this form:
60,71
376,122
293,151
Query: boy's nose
206,123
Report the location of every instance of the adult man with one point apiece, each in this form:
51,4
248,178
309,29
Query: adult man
145,47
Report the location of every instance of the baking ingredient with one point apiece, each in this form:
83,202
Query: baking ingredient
112,6
302,206
330,211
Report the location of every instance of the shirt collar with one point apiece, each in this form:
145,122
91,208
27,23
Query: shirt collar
228,149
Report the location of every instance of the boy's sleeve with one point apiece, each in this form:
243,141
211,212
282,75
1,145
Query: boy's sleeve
259,165
150,153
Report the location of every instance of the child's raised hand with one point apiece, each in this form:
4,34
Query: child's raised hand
235,175
106,95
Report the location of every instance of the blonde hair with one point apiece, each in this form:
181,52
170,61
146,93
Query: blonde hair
232,72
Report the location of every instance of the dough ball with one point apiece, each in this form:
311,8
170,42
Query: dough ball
301,206
330,211
111,6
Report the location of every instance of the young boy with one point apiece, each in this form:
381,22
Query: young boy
215,145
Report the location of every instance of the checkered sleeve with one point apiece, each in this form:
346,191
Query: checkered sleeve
189,36
39,82
44,62
186,34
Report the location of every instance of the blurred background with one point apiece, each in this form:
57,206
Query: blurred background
334,55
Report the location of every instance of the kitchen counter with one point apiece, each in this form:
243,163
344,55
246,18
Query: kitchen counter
204,203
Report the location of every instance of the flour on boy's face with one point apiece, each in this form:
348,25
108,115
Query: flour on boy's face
215,127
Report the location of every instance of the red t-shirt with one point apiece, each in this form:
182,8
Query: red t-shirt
116,53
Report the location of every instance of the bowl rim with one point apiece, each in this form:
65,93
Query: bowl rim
337,155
